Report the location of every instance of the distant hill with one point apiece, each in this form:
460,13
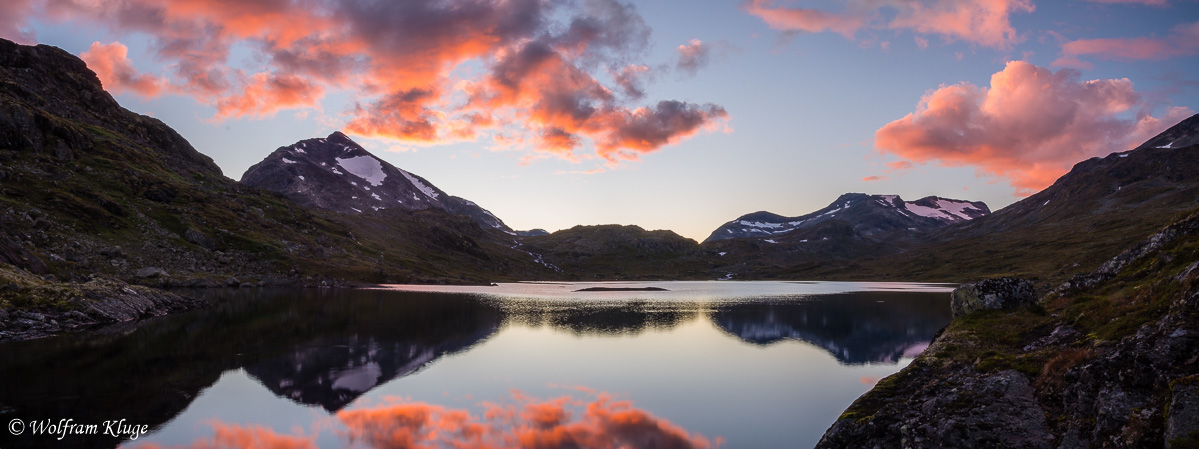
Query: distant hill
614,252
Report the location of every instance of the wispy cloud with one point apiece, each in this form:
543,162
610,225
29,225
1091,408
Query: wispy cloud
981,22
1183,40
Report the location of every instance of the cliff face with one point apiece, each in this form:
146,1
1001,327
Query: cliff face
1109,363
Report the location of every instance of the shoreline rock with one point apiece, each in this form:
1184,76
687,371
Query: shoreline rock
1005,293
46,309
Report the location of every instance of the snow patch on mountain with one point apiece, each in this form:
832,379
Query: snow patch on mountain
365,167
758,224
428,191
945,210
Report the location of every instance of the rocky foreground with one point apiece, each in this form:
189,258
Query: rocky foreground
41,308
1109,360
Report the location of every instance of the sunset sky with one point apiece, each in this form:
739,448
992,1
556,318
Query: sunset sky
676,115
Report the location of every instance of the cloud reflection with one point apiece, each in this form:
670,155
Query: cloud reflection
597,422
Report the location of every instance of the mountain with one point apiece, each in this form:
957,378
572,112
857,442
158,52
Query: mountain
866,214
335,173
1101,206
90,188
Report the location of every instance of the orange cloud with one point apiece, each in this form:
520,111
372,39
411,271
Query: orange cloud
231,436
872,178
1029,126
1183,40
402,64
117,75
982,22
564,422
268,93
561,423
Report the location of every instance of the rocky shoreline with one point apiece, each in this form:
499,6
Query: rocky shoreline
31,307
1109,360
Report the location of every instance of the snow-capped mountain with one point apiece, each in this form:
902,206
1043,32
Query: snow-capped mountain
335,173
867,214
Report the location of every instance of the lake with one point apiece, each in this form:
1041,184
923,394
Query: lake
702,364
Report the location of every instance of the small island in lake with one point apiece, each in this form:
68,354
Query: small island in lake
623,289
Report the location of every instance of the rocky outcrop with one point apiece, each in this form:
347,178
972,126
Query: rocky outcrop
1110,268
1111,365
33,308
963,409
1004,293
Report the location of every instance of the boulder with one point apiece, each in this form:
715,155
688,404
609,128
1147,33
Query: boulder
150,272
198,238
1183,421
1000,293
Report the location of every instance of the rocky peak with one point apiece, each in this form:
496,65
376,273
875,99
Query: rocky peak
867,214
1183,134
52,101
336,173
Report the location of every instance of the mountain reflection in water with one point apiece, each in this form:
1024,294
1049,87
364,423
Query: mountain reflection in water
326,348
856,328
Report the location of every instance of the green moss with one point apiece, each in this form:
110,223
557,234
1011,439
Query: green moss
1190,441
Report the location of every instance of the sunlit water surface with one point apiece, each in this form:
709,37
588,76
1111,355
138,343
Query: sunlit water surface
728,364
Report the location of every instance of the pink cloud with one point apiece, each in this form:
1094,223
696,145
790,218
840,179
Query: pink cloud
14,21
982,22
804,19
1183,40
1028,127
693,55
399,63
873,178
117,75
267,93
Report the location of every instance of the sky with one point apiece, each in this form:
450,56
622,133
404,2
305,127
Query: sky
677,115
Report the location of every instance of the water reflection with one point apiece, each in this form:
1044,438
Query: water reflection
601,318
599,422
327,348
856,328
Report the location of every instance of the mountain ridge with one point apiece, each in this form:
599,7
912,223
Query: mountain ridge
868,214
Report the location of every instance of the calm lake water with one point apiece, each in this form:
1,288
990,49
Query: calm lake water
705,364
